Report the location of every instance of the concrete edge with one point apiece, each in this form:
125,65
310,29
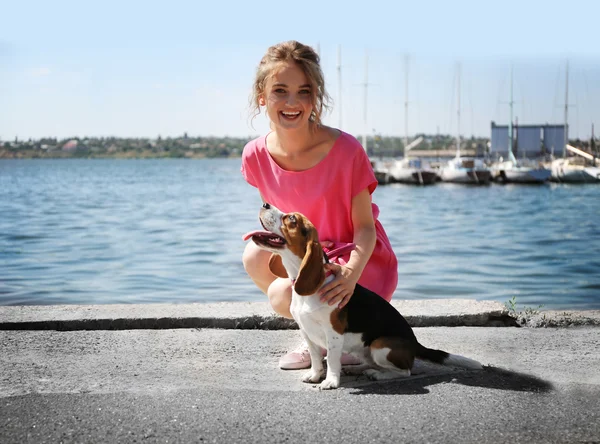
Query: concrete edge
244,323
236,315
258,315
559,318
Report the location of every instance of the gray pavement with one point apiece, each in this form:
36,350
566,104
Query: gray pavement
223,385
245,315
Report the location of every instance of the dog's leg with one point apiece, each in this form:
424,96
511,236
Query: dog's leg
335,345
316,372
391,363
355,370
382,375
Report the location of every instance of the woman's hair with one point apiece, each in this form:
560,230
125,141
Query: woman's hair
307,59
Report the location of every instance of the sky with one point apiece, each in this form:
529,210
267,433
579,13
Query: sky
148,68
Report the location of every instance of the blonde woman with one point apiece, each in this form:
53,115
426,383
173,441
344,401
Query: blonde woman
324,173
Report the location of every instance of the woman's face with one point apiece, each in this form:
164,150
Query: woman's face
288,97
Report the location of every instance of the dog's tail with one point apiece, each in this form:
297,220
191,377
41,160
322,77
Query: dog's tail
444,358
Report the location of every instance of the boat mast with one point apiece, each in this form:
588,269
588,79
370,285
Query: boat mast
511,155
458,112
365,99
405,103
593,144
566,132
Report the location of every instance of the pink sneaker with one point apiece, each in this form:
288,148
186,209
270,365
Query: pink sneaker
299,358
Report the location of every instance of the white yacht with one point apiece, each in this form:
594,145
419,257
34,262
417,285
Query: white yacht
522,172
466,170
574,170
412,171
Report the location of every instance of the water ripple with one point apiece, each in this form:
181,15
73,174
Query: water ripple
140,231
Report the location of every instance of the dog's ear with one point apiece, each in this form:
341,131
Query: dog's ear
312,273
276,266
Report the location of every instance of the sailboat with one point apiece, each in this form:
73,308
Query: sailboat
523,170
466,170
410,170
576,169
414,171
573,169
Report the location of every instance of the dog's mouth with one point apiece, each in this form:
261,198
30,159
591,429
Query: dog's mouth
265,238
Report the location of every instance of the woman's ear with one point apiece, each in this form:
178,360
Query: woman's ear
312,273
276,266
261,101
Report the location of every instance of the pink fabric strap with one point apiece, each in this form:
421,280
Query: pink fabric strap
339,249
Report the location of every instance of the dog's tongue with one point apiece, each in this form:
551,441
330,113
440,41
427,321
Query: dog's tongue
253,233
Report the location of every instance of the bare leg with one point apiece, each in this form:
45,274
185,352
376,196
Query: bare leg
280,296
256,264
279,291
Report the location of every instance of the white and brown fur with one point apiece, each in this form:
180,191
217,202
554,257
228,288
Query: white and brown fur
368,327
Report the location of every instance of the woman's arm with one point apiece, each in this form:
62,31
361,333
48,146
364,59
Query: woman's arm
340,290
365,235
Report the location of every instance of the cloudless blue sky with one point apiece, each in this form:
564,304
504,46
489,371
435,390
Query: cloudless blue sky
148,68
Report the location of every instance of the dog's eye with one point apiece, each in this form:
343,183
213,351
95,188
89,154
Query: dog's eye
292,219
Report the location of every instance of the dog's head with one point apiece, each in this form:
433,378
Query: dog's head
294,242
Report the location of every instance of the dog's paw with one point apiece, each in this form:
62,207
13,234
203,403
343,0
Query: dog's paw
313,376
329,384
373,374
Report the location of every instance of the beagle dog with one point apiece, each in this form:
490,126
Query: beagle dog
367,327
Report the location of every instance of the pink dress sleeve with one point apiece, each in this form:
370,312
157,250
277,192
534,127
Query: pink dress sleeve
249,163
363,174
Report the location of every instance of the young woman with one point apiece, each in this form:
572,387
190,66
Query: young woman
321,172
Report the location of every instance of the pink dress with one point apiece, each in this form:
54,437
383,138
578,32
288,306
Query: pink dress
324,194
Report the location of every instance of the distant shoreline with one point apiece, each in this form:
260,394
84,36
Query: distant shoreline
26,154
189,147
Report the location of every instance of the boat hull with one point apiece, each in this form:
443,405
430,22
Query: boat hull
525,175
464,176
575,174
414,176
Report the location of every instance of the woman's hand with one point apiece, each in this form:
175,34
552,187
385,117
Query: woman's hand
340,290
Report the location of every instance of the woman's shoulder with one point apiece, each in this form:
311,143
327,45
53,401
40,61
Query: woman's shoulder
349,141
333,136
255,144
253,156
350,146
254,147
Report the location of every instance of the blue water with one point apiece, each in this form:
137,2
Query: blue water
138,231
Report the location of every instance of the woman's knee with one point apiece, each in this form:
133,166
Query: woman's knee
256,261
280,296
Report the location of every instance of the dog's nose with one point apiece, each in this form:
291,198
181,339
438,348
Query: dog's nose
266,206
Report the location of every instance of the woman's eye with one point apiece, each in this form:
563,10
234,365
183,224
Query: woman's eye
305,91
280,91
